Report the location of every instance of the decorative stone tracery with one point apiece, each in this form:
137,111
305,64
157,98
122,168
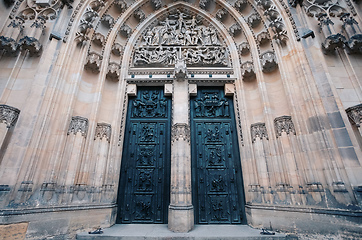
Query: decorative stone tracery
103,130
258,130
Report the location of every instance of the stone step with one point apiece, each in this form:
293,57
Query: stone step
160,231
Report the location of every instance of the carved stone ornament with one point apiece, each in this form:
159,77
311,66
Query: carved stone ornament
247,71
8,40
235,29
180,71
254,20
78,124
258,130
121,5
240,5
103,130
139,15
8,115
9,3
113,71
93,62
353,32
244,48
156,4
99,39
264,4
31,44
277,25
204,3
97,5
107,20
263,38
284,124
355,114
125,30
271,13
117,49
281,37
268,61
330,8
180,131
81,38
221,14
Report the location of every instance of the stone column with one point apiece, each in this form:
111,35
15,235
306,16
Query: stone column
181,211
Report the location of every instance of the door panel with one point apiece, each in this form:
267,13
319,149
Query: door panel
217,184
145,171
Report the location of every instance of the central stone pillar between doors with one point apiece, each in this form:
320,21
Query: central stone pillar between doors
181,211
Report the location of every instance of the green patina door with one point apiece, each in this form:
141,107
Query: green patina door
144,187
216,171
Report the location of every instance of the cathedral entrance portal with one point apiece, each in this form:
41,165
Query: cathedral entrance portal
217,184
145,172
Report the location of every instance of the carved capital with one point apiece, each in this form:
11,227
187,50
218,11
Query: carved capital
113,71
8,115
247,70
284,124
103,130
93,62
180,131
31,44
355,114
271,13
258,130
78,124
268,61
8,44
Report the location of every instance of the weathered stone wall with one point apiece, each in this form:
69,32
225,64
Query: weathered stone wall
67,69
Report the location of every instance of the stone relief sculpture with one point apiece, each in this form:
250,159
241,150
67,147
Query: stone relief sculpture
180,32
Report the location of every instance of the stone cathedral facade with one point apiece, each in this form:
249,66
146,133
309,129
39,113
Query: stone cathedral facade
181,113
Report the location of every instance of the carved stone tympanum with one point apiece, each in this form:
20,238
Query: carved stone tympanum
8,115
284,124
78,124
180,35
103,130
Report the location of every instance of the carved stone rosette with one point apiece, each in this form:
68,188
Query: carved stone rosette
8,115
284,124
268,61
78,124
355,114
103,130
180,131
258,130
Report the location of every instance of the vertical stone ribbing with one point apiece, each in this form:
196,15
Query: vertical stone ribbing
181,212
